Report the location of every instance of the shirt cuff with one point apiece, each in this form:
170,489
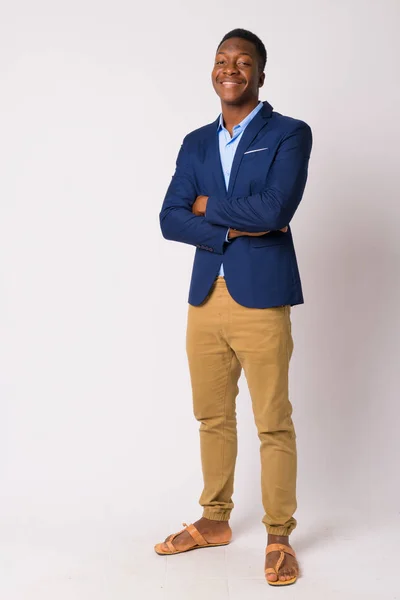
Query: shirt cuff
226,237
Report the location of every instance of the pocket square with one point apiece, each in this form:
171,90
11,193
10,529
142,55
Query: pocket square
257,150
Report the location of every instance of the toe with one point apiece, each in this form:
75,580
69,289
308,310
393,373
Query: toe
272,577
161,547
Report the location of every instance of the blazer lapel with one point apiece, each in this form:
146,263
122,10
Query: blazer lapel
248,136
215,159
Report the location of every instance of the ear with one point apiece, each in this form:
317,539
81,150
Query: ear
261,80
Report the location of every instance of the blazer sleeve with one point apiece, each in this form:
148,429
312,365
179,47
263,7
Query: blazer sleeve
177,221
273,207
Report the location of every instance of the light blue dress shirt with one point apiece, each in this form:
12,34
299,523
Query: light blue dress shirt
227,149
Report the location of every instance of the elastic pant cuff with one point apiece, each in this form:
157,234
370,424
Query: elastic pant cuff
280,530
216,515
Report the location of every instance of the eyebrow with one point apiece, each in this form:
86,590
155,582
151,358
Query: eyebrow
247,53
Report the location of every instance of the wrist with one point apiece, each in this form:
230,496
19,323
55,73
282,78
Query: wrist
233,233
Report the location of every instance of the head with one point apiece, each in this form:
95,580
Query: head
238,71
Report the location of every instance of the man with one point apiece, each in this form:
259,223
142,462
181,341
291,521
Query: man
237,184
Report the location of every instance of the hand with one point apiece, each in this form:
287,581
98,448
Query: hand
200,205
234,233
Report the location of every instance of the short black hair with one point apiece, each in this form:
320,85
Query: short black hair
250,37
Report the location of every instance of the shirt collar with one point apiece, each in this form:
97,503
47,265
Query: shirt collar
242,123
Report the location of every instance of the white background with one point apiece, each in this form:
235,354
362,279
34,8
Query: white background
96,422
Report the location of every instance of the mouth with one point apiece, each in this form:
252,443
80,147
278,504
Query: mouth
230,84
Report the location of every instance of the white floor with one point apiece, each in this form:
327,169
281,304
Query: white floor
339,560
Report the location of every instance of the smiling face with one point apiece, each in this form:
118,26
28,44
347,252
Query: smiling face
236,75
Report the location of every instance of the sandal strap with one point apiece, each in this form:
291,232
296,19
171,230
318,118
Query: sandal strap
282,548
171,546
171,537
193,531
196,535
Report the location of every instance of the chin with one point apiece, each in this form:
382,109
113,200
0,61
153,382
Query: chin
232,99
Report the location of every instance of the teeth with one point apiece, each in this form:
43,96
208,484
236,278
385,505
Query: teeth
229,83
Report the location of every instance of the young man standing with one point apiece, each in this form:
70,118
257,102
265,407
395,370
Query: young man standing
237,184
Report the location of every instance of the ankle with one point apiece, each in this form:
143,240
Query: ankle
213,523
278,539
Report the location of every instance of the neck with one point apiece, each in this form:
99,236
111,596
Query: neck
233,114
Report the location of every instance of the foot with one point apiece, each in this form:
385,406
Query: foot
212,531
290,566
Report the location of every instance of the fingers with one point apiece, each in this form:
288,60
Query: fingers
252,234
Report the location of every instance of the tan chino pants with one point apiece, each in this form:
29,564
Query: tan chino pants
222,338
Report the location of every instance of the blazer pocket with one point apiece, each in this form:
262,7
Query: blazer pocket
255,150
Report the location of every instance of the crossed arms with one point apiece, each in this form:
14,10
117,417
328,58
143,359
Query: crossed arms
271,209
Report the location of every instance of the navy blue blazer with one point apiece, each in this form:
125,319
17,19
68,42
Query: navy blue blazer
267,181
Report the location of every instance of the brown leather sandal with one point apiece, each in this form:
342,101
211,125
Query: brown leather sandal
196,535
282,548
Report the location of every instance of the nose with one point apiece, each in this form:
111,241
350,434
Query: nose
230,68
